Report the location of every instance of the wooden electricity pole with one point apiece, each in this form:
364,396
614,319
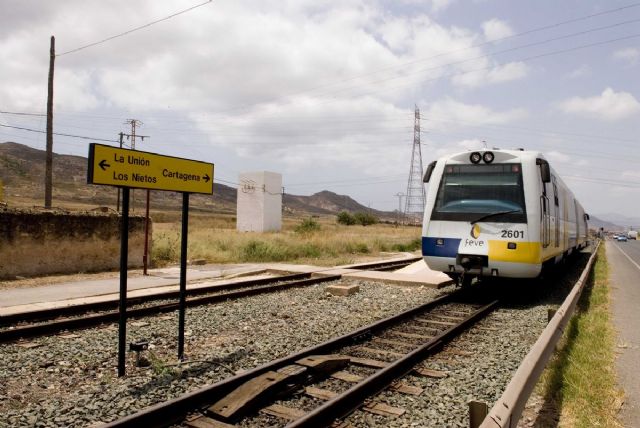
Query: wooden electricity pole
48,176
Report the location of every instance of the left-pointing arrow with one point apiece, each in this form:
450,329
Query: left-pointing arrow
104,165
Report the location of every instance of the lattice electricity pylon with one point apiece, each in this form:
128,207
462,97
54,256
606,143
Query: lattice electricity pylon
416,195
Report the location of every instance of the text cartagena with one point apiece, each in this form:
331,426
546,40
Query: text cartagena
179,175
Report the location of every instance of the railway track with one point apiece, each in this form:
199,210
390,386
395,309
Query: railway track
55,320
336,377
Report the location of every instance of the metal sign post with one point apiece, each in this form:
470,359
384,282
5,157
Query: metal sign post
124,260
183,274
127,169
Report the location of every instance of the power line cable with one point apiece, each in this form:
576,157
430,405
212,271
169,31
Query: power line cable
19,113
84,137
134,29
525,130
403,65
603,181
488,55
525,59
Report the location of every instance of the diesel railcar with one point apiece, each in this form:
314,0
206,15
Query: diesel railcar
498,213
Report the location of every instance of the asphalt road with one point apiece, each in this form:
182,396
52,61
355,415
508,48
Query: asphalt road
624,274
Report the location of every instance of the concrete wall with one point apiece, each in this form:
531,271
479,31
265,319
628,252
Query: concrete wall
44,243
259,202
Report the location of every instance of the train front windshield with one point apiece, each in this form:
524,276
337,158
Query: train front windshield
474,192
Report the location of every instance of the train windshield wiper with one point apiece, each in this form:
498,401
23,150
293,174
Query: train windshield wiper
486,216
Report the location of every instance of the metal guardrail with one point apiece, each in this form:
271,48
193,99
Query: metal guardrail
507,410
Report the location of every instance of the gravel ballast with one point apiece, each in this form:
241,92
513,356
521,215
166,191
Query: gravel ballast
71,380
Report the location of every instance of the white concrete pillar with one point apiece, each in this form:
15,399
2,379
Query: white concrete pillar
259,204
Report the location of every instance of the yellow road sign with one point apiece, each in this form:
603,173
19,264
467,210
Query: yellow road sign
131,168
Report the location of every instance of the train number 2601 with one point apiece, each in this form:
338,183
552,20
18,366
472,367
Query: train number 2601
512,233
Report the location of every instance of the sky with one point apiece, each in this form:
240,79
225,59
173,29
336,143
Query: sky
324,92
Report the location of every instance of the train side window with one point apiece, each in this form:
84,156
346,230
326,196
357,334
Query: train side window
545,174
555,191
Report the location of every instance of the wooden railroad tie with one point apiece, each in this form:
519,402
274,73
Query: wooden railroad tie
260,390
384,409
422,371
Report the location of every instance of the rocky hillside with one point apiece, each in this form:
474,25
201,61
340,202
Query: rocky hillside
22,170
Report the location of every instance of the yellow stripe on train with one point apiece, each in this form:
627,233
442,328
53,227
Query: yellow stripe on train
525,252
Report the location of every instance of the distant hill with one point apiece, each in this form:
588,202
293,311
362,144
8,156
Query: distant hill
22,169
615,221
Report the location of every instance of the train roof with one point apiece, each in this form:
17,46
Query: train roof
501,155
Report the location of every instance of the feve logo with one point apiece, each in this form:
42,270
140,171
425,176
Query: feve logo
475,231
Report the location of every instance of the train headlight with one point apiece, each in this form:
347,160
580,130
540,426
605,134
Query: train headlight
475,157
488,157
439,242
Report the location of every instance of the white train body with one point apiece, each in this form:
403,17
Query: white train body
504,214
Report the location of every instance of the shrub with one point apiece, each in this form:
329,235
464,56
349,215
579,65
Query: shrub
308,225
164,250
365,219
414,245
258,251
310,250
358,248
346,218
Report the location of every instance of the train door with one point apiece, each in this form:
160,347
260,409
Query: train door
556,212
545,209
577,211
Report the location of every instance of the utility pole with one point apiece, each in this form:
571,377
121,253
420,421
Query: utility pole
399,195
48,174
135,123
416,195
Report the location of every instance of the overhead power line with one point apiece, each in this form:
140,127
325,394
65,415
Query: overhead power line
490,55
84,137
20,113
405,64
134,29
620,183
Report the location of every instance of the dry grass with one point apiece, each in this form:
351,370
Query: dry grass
215,240
581,379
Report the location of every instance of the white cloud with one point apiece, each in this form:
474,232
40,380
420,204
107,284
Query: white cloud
495,29
491,75
556,156
439,5
631,174
582,71
450,114
459,146
629,55
609,105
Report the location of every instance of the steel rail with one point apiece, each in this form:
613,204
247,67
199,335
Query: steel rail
381,264
97,319
507,410
351,399
51,313
173,411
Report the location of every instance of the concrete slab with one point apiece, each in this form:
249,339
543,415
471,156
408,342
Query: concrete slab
87,288
343,289
416,274
422,279
114,297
